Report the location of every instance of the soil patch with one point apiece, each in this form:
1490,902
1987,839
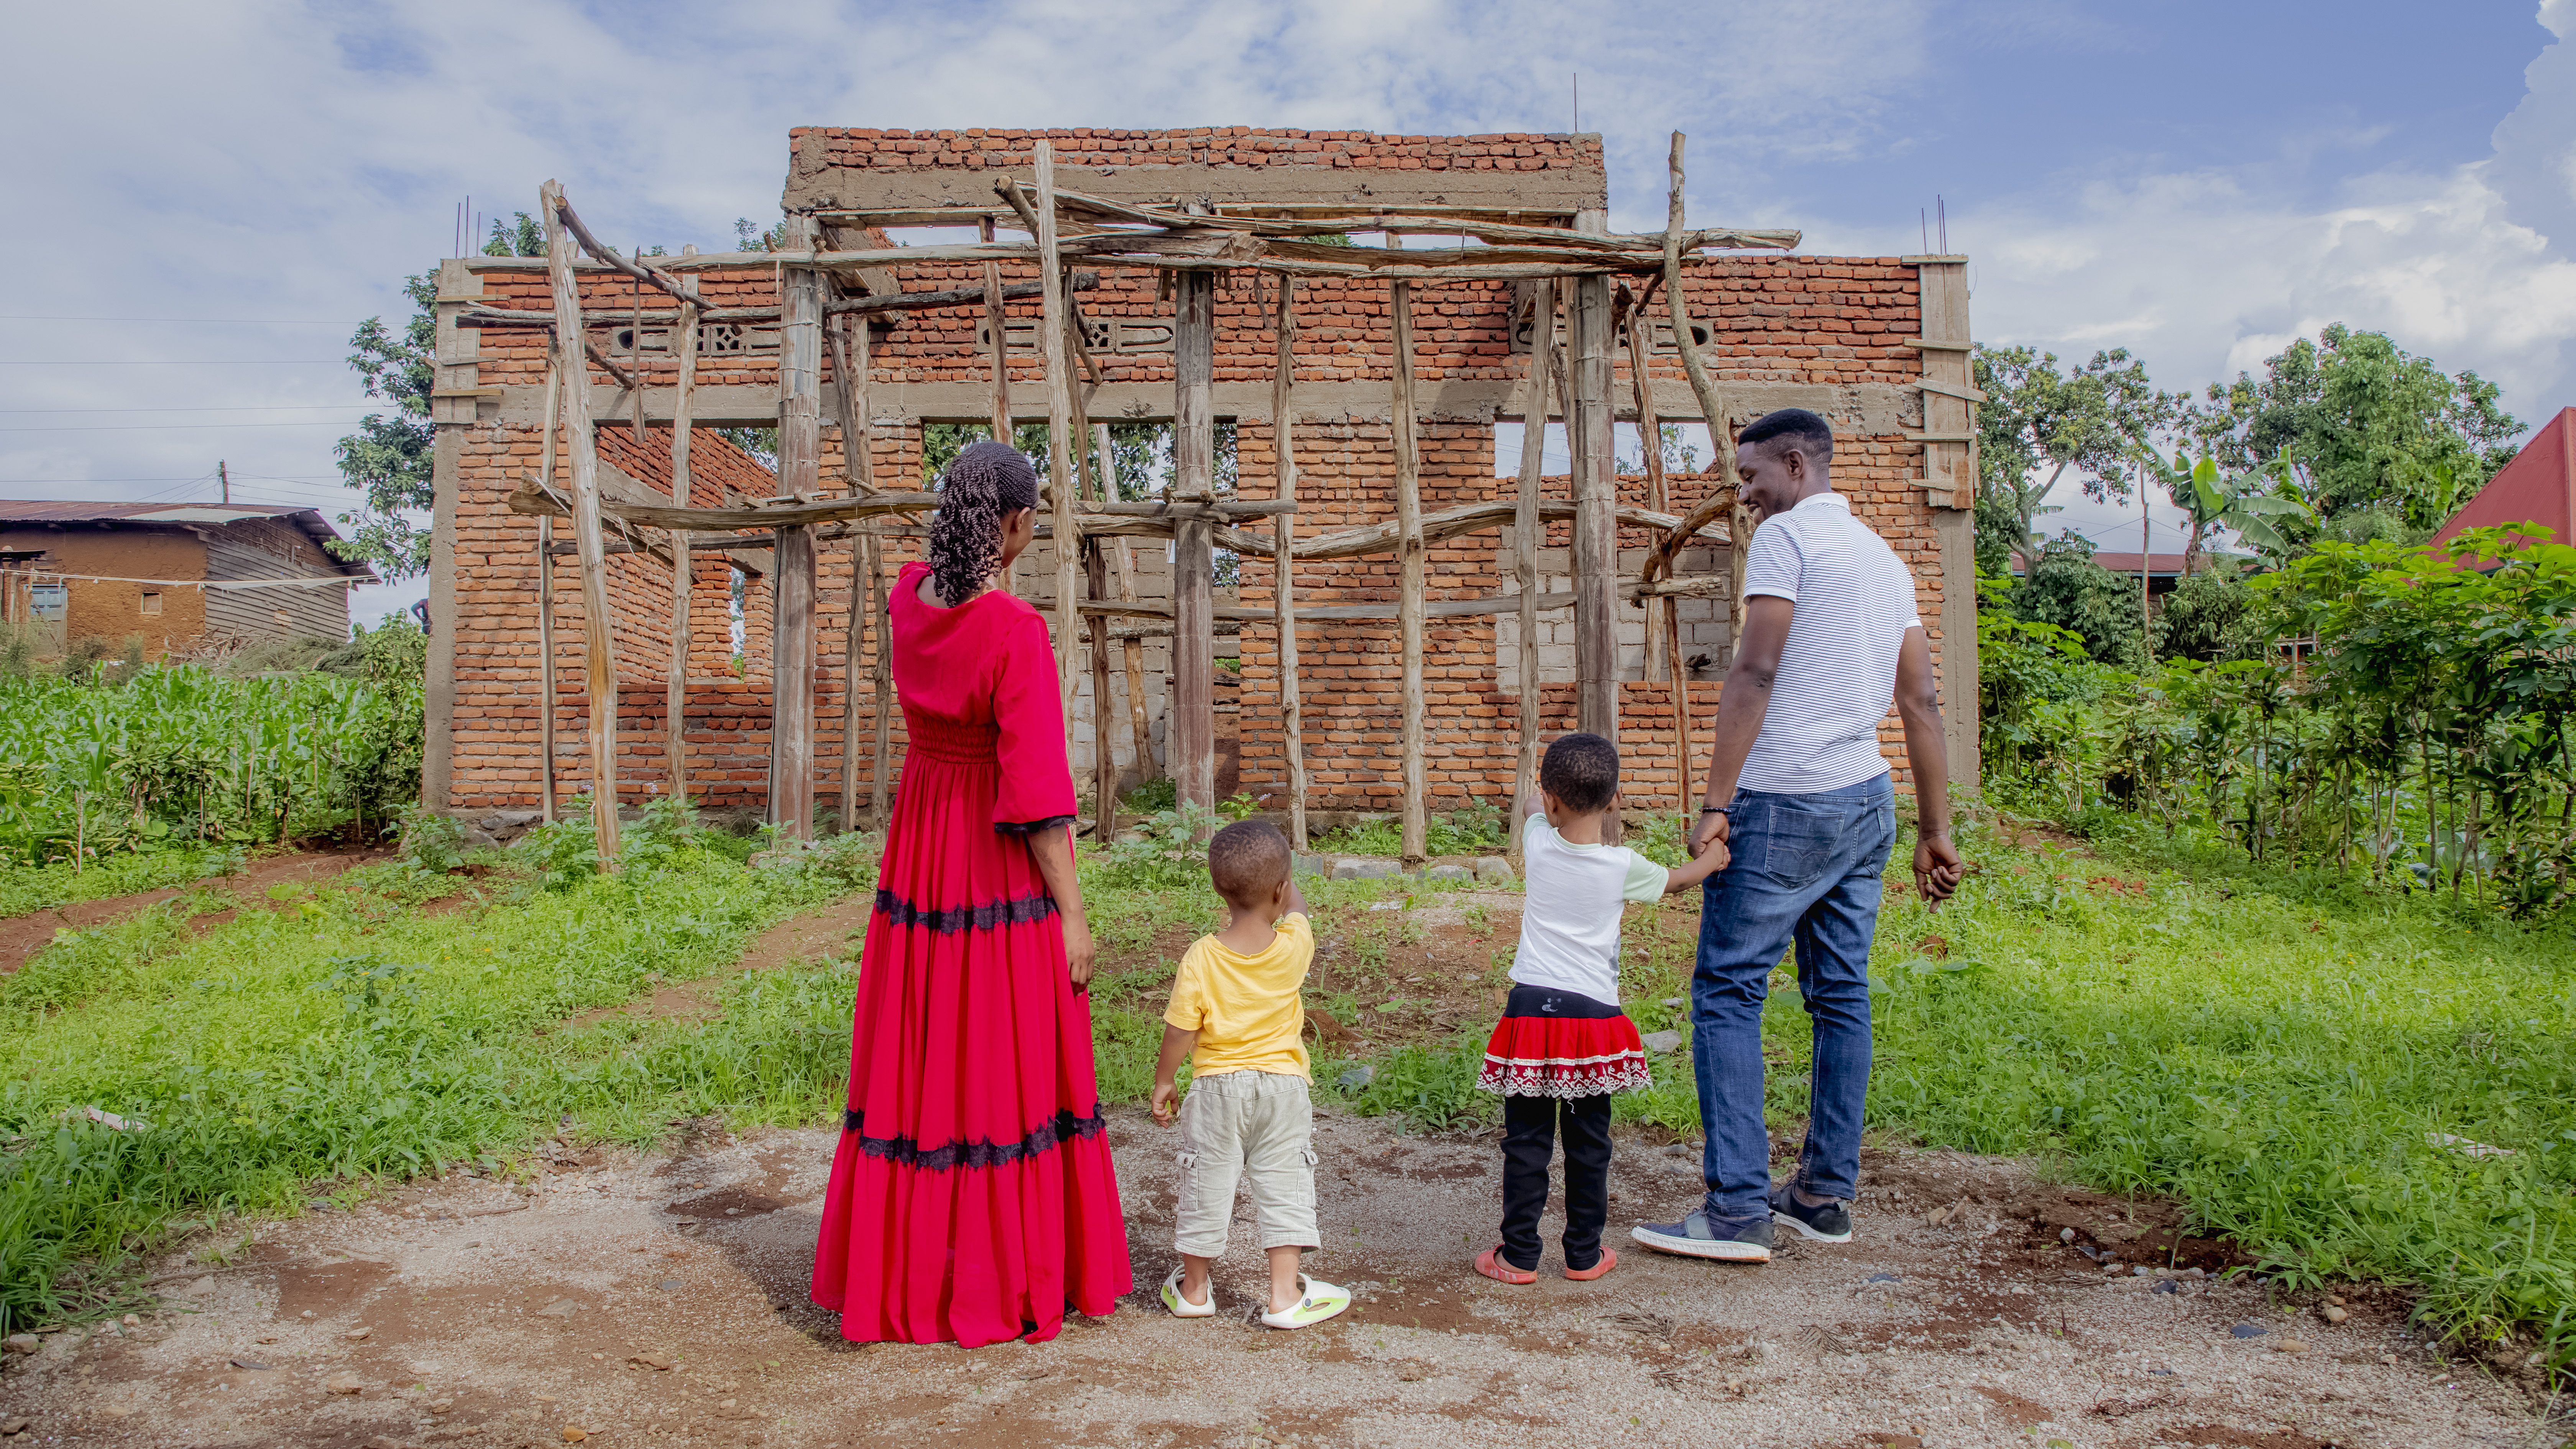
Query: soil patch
616,1296
21,937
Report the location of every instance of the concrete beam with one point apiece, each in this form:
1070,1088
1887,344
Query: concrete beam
815,184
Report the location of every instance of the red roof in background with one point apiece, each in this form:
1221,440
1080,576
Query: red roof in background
2538,486
2158,564
310,520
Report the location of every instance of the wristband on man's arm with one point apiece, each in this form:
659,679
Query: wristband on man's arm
1712,810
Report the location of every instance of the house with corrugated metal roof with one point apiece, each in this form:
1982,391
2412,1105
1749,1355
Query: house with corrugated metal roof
183,576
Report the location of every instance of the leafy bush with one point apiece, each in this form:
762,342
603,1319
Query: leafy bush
1170,851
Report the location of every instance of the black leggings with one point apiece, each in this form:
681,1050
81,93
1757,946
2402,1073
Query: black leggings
1530,1128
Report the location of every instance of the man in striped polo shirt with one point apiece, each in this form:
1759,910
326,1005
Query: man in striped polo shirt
1800,793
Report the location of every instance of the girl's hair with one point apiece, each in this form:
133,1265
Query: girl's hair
986,481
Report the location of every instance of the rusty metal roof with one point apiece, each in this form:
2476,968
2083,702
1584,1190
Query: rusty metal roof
315,526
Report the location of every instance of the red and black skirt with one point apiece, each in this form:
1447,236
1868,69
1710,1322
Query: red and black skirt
1554,1043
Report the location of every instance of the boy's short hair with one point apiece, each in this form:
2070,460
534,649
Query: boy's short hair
1247,860
1581,771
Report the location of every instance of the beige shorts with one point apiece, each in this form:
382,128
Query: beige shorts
1256,1125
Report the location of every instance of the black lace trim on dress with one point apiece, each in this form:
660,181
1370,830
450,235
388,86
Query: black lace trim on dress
1063,1128
982,918
1030,827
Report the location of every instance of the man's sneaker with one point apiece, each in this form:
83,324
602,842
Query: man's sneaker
1701,1236
1827,1222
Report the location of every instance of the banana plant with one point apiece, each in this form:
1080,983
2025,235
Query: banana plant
2253,506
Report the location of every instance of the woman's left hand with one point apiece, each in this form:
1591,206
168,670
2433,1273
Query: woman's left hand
1078,952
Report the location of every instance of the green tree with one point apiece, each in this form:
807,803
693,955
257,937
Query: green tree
2093,417
2065,587
387,461
2366,426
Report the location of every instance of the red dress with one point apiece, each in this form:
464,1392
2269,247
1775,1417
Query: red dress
972,1196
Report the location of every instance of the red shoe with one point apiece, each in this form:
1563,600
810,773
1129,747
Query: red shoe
1491,1264
1609,1260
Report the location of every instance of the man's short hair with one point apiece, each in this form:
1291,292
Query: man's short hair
1795,427
1581,771
1247,860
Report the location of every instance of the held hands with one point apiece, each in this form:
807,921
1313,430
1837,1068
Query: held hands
1937,868
1711,830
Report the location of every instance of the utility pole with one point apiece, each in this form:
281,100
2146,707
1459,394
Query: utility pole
225,478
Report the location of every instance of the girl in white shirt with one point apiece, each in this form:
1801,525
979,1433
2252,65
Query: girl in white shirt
1563,1045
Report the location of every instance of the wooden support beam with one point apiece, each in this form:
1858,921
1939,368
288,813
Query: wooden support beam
1055,340
800,448
1283,382
546,592
1596,538
791,717
1104,760
1412,560
1132,653
994,328
1526,538
1650,438
1715,411
598,642
858,469
1191,713
675,704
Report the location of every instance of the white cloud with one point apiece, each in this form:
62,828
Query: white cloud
2204,273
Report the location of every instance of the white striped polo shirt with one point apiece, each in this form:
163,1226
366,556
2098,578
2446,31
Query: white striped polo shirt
1837,677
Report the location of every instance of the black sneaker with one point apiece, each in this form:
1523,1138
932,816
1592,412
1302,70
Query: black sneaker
1701,1236
1827,1222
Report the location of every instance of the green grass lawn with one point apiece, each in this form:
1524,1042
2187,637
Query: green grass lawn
2282,1053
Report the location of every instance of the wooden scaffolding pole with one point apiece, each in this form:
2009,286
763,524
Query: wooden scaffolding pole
1191,714
1055,330
1526,538
1596,528
800,449
1001,344
863,477
850,391
675,704
1140,727
1283,558
1721,441
1411,561
1104,760
1650,435
546,591
598,644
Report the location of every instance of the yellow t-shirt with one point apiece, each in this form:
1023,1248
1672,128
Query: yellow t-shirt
1245,1008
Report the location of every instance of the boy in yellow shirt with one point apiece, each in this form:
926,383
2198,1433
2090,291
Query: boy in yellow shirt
1235,1009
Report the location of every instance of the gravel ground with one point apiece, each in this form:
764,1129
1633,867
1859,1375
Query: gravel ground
660,1301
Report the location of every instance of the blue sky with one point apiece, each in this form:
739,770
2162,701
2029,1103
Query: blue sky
2197,182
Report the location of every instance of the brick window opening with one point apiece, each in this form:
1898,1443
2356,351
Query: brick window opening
151,606
1685,448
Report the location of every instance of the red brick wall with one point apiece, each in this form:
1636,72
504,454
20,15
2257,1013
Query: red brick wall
1777,319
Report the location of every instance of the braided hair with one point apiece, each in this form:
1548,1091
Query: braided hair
986,482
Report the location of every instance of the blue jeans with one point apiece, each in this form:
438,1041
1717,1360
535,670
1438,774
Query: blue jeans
1806,869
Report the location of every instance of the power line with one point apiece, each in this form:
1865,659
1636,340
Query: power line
223,321
244,408
170,427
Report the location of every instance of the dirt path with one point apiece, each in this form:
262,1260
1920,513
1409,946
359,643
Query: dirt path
21,937
660,1301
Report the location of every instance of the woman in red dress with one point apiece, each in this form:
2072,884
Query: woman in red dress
972,1196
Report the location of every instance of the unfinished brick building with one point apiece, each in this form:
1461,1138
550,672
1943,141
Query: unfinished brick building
1876,345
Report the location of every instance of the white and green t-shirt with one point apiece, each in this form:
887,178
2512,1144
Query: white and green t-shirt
1570,911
